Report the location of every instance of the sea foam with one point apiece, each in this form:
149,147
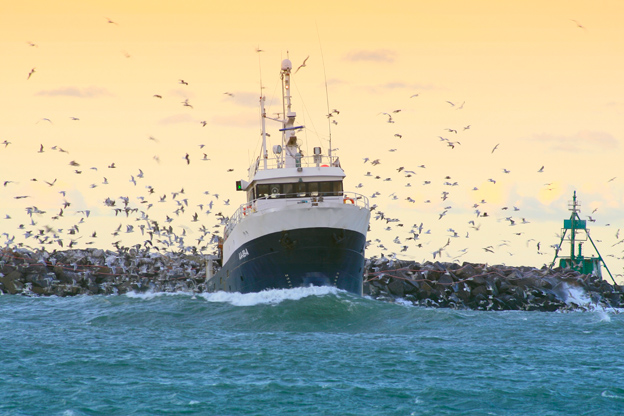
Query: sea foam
273,296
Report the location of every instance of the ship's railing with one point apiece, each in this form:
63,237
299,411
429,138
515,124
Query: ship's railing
304,161
279,201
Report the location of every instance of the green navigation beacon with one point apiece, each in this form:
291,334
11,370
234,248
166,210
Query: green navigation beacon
578,234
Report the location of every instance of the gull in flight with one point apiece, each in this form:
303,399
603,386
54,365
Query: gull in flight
303,64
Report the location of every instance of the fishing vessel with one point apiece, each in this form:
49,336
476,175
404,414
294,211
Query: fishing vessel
298,226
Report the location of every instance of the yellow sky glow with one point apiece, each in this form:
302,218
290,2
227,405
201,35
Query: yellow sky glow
540,81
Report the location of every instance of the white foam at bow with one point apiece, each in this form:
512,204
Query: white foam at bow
273,296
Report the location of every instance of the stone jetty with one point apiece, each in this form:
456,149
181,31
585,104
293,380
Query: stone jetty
483,287
99,272
432,284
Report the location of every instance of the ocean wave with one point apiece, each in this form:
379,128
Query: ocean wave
270,297
151,294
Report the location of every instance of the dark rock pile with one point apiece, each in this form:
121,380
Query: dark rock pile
448,285
98,272
482,287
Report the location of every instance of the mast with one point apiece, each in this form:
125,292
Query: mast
287,154
292,157
265,155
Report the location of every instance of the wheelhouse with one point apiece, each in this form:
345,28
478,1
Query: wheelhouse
298,189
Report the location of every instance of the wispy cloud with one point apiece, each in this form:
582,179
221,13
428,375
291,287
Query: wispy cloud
583,141
88,92
379,55
244,99
407,86
178,118
243,120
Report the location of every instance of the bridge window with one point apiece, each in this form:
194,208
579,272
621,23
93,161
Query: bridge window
287,189
263,191
313,189
298,189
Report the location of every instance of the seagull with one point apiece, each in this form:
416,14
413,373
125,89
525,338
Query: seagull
578,24
182,82
303,64
186,103
495,147
110,21
541,170
32,71
188,160
157,96
389,117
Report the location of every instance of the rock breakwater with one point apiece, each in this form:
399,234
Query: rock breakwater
483,287
98,272
434,284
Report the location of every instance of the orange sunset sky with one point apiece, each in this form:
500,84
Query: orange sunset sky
489,92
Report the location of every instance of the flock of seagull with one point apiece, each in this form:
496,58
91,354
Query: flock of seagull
167,228
401,235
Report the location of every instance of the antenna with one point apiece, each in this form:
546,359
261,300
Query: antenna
258,51
326,92
264,155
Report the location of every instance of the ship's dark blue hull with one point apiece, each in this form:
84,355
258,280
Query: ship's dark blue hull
295,258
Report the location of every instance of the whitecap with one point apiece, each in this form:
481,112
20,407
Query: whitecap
610,395
603,316
151,295
272,296
404,302
576,295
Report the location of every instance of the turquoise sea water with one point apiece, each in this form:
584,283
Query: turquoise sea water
313,351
